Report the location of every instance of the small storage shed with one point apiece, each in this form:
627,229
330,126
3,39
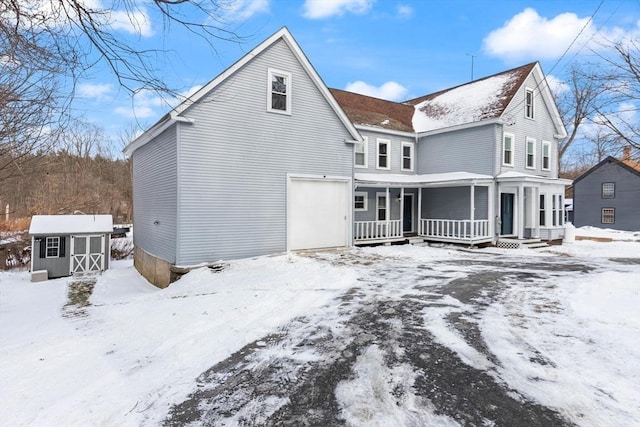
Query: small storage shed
63,245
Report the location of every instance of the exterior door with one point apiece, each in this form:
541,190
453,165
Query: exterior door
506,213
87,254
407,213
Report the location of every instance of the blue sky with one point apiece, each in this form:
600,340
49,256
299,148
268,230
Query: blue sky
393,49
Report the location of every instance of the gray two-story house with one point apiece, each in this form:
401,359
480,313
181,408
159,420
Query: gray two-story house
265,159
608,194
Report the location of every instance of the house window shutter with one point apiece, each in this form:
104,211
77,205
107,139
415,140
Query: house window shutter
62,245
43,247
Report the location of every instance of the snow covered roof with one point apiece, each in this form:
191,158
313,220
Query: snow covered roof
71,224
425,179
476,101
520,176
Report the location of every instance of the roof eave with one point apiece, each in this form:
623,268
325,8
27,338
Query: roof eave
461,126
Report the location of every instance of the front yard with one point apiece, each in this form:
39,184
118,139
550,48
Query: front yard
400,335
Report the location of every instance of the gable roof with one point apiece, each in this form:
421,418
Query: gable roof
630,165
70,224
283,34
476,101
375,112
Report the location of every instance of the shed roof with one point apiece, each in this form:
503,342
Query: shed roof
70,224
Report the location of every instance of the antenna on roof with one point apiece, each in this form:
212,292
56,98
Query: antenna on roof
472,56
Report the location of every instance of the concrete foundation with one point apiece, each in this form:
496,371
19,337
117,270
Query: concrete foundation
155,270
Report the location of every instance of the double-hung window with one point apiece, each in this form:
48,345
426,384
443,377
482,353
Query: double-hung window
360,201
384,154
546,155
507,149
608,216
53,247
361,153
407,156
530,159
543,214
608,190
279,92
529,103
381,206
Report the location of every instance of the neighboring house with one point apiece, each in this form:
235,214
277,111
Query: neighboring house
608,195
63,245
265,158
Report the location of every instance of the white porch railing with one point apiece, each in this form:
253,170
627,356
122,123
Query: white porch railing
454,229
377,230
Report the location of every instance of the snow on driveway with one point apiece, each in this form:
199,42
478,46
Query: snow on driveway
402,335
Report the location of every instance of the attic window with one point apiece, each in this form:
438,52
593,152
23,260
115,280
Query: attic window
528,103
279,92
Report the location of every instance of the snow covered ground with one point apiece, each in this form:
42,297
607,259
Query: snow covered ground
568,340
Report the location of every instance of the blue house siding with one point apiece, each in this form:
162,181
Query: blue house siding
234,159
588,202
454,203
155,196
395,140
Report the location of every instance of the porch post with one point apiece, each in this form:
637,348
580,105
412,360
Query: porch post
472,209
420,231
536,211
520,211
402,211
491,210
388,212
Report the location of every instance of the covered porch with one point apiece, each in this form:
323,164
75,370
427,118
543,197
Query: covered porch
452,207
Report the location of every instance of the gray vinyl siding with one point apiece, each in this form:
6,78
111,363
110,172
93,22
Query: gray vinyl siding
56,267
540,128
155,196
396,153
234,160
454,203
394,195
466,150
588,201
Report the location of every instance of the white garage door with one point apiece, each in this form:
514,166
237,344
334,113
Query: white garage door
318,213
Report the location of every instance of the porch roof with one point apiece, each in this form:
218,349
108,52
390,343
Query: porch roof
424,180
513,176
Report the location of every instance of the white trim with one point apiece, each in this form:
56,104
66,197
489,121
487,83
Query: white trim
386,131
526,153
530,90
546,144
412,156
380,141
499,121
386,211
363,194
365,145
46,247
271,72
513,140
286,36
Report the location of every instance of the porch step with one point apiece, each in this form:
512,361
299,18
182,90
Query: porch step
415,240
521,243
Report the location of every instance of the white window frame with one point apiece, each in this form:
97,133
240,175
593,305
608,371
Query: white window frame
365,150
611,190
379,142
412,156
533,154
543,212
56,247
362,194
611,212
288,81
511,150
529,109
547,145
384,206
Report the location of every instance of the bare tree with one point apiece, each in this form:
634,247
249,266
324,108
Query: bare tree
46,46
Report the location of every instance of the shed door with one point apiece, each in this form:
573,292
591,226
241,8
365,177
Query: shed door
318,213
87,254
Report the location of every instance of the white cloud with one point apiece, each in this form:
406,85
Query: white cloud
391,91
556,85
95,91
319,9
404,11
147,103
134,21
239,10
530,36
